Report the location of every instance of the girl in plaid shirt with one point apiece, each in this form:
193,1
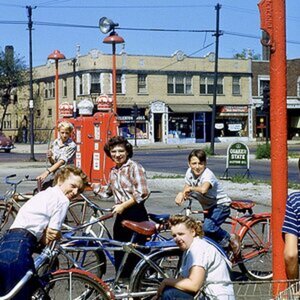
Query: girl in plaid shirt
128,185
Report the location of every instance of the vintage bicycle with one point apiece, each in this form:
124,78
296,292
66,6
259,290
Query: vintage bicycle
254,231
61,284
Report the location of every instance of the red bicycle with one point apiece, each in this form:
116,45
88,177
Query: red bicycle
254,231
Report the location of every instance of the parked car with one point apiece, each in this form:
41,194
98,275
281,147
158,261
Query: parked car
6,143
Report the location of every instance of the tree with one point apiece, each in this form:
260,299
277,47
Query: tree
13,74
247,53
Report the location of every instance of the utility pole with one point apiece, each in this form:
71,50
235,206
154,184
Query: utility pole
213,116
31,112
74,60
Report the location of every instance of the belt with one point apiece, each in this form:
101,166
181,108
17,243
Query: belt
23,231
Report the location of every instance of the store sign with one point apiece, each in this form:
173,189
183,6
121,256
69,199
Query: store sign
234,109
219,125
238,155
235,127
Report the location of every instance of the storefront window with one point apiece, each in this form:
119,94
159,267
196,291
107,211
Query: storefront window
181,126
229,127
127,124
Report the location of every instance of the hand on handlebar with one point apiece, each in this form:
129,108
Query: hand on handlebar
179,199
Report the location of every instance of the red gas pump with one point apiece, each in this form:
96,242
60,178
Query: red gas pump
91,132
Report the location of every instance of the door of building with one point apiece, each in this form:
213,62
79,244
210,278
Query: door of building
157,127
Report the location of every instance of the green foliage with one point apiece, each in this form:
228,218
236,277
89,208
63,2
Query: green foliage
207,150
263,151
247,53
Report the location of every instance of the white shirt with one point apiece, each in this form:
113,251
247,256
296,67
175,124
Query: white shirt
205,255
215,195
46,209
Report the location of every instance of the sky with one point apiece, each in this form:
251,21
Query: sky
77,24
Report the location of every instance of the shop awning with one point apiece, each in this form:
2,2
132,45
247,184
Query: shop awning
189,108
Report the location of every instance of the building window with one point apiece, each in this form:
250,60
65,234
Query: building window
236,85
65,90
179,84
207,85
49,112
38,113
7,121
95,83
79,85
262,84
52,89
119,84
142,83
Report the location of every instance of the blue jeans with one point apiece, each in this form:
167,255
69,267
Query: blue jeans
215,217
16,249
171,293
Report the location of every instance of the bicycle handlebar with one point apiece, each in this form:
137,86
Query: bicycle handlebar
16,183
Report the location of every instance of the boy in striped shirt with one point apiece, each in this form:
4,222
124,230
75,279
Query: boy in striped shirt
291,231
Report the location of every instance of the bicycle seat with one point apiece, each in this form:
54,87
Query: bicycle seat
159,218
242,205
147,228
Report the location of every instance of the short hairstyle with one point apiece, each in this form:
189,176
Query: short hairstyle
66,125
199,153
189,222
65,172
118,140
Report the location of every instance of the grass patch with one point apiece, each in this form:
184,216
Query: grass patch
263,151
240,179
294,155
167,176
208,151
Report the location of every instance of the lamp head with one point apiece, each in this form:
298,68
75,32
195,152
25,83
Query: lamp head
106,25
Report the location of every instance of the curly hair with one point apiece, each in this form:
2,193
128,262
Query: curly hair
65,172
118,140
189,222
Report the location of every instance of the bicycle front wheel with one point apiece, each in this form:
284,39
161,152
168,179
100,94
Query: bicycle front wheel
7,217
256,250
147,279
80,212
75,284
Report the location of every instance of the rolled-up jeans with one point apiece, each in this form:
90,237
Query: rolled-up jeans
16,249
213,219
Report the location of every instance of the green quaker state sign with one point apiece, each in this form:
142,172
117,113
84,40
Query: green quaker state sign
238,156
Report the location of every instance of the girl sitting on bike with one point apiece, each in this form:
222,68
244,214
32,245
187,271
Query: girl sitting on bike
39,220
203,266
202,185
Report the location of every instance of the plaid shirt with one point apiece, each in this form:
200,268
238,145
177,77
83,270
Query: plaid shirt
65,151
128,181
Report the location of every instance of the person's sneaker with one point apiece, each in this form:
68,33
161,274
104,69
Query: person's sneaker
235,243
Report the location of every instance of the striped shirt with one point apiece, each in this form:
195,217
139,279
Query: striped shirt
128,181
291,222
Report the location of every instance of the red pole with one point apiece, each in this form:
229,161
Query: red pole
273,22
278,113
114,85
56,98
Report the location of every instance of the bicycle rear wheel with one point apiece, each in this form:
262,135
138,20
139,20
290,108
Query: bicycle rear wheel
80,212
147,279
74,284
7,217
256,250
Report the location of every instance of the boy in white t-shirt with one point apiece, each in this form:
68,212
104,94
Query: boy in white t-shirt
202,185
38,221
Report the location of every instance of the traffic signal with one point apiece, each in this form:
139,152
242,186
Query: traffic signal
266,99
135,112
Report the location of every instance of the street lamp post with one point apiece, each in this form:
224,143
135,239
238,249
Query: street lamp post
56,55
113,38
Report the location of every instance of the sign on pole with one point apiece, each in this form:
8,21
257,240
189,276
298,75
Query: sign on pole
238,157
